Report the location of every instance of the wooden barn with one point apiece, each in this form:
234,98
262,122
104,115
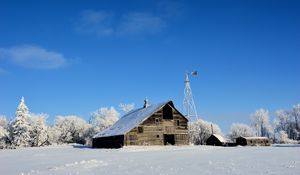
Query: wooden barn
216,140
159,124
253,141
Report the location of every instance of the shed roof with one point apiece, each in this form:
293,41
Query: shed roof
220,138
131,120
255,138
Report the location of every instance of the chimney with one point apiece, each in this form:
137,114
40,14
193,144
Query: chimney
146,103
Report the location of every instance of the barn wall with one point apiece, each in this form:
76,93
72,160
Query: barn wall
258,142
153,133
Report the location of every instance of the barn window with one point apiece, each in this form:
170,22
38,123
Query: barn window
167,112
157,136
157,121
140,129
177,123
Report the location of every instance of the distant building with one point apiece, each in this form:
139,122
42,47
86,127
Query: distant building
253,141
216,140
159,124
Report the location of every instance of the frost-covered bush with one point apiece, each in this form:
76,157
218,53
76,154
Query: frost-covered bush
54,135
283,138
38,129
71,129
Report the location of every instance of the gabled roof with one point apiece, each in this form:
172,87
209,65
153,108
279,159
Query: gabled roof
220,138
131,120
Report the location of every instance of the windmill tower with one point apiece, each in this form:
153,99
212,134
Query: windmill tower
189,108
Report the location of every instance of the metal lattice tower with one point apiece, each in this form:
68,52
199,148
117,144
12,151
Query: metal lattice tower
189,107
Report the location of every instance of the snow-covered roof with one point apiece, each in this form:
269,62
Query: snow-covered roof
131,120
220,138
255,138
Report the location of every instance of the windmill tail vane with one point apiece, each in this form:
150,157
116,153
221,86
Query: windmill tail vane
194,73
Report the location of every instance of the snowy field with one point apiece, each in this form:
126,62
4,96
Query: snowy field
151,160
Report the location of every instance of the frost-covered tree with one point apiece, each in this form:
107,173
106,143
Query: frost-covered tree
296,115
287,121
71,129
54,135
281,122
260,123
20,128
200,130
4,135
240,130
282,137
126,107
103,118
39,129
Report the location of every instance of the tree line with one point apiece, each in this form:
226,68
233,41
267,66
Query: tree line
32,130
283,129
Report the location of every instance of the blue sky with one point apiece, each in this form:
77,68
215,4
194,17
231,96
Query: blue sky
74,57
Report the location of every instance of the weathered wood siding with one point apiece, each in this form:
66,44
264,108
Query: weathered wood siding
155,127
252,142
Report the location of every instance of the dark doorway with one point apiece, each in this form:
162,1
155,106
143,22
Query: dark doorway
169,139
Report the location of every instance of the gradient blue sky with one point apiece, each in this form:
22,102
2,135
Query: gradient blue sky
73,57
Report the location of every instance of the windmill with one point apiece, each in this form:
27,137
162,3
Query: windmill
189,108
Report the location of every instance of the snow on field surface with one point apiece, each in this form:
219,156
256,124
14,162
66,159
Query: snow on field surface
151,160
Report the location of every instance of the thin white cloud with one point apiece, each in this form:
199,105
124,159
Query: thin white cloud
103,23
96,22
171,9
140,23
30,56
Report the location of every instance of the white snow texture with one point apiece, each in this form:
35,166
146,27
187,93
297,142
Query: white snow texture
175,160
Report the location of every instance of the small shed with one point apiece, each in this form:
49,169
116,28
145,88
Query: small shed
216,140
253,141
158,124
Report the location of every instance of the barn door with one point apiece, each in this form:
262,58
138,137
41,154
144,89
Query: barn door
169,139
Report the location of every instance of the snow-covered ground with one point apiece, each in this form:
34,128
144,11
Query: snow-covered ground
151,160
